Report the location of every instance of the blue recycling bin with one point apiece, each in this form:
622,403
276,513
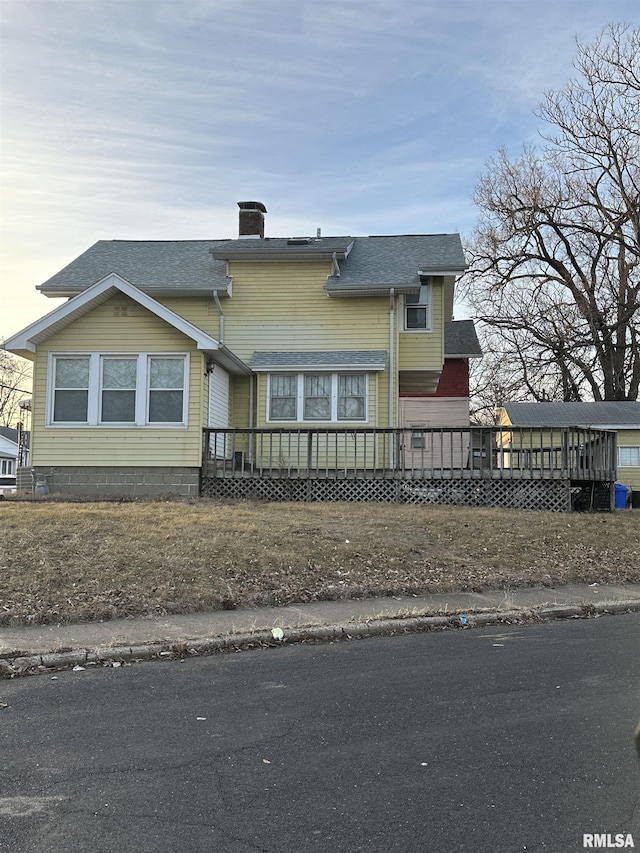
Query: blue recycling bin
621,496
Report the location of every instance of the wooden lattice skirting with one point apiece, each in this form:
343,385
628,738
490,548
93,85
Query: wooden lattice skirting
554,495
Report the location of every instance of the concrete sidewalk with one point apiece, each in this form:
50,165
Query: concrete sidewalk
25,649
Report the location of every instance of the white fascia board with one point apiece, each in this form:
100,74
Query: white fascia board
83,303
8,447
455,271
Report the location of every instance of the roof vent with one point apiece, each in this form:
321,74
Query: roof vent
298,241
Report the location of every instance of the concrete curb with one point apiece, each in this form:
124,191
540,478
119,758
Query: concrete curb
19,665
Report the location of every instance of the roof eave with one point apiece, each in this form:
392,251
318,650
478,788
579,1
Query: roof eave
443,270
27,339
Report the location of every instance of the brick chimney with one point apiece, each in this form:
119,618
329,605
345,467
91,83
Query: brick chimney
251,220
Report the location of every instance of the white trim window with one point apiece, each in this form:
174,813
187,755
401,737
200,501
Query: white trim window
629,457
119,380
70,389
7,467
319,397
283,395
166,385
417,310
118,389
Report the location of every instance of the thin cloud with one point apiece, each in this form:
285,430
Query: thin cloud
150,119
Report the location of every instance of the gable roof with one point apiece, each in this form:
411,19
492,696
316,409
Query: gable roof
178,267
195,267
24,343
604,414
9,433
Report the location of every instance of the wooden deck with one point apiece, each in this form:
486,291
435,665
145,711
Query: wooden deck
532,468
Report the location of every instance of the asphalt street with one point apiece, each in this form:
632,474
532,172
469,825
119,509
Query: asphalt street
489,740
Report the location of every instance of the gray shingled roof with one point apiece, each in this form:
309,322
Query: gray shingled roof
371,359
383,262
285,246
150,265
8,432
613,414
188,266
460,339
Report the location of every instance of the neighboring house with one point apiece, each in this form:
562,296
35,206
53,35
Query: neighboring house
159,339
622,417
9,453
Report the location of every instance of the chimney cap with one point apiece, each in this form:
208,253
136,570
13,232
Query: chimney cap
252,205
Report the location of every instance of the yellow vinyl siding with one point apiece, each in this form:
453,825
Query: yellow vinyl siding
199,310
107,329
239,401
419,350
281,306
629,476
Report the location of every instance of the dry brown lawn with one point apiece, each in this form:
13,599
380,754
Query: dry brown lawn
63,562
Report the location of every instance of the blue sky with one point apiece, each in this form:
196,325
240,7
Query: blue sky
146,119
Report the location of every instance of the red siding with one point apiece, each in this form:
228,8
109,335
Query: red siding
453,382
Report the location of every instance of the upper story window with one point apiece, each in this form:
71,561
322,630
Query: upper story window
325,397
126,390
417,310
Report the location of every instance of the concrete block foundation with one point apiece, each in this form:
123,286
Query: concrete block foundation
120,481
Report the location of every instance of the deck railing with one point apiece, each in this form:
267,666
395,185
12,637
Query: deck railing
572,453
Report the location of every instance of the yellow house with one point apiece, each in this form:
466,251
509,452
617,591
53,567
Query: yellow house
158,340
542,424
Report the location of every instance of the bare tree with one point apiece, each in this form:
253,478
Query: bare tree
555,258
15,384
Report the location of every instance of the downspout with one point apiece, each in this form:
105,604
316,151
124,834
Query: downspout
392,317
252,380
221,313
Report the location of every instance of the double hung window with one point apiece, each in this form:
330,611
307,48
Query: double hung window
128,390
71,389
166,390
119,382
325,397
283,398
317,397
352,397
417,310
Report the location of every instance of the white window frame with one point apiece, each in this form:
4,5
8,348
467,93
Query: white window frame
94,402
7,467
425,293
635,447
300,398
